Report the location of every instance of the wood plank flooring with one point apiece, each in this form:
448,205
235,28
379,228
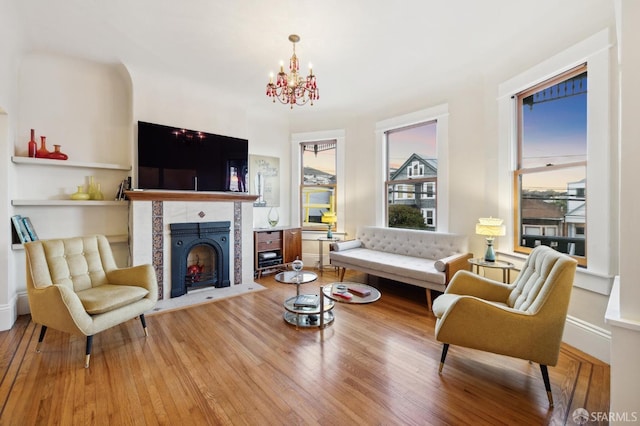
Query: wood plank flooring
236,362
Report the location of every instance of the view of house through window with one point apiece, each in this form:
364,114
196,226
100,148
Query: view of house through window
412,177
550,176
318,191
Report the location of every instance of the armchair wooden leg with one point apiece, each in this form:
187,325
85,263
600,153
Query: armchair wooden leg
43,330
445,348
87,351
342,272
144,325
547,383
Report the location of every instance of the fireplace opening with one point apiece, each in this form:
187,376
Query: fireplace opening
199,256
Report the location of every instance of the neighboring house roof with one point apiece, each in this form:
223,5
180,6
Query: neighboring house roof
431,167
578,214
540,209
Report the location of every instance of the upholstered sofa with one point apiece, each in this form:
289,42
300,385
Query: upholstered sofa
421,258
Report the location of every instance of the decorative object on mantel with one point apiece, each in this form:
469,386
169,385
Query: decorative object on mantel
273,217
57,155
291,88
490,227
43,152
329,218
80,195
32,146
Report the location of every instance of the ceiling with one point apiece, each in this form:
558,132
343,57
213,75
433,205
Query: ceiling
361,50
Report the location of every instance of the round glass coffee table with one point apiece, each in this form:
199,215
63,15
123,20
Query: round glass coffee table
305,310
350,292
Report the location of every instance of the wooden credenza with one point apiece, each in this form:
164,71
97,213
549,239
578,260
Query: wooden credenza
275,248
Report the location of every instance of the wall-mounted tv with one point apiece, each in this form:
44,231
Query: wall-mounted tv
189,160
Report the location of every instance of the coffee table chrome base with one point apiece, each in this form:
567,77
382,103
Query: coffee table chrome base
308,320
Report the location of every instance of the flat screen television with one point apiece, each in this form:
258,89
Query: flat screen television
180,159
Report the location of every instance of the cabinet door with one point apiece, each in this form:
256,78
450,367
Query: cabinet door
292,244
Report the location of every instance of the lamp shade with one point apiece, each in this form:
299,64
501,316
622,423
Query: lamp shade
490,227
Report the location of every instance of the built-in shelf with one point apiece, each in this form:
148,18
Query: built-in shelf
113,239
91,203
67,163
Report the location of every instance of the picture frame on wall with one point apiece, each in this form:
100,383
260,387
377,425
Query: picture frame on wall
264,180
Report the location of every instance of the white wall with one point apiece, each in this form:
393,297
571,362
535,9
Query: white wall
10,49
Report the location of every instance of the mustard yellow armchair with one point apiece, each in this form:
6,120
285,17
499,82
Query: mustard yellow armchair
74,286
523,320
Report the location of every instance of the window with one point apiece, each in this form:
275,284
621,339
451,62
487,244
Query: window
428,190
412,176
319,185
551,170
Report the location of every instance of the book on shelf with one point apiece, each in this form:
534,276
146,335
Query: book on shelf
20,233
30,229
359,291
306,301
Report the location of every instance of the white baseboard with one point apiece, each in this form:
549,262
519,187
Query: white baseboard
23,304
588,338
8,315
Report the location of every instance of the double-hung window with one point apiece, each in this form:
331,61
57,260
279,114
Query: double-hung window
412,176
318,192
551,170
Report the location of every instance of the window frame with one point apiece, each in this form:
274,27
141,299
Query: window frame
520,170
332,188
440,114
296,179
596,52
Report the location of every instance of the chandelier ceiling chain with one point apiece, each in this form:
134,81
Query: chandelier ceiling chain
291,88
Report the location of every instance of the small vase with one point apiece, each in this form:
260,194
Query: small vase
97,194
57,155
42,152
92,188
80,195
32,145
273,217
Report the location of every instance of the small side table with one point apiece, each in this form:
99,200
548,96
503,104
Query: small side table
312,316
505,266
321,242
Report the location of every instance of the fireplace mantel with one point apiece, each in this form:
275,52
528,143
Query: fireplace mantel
164,195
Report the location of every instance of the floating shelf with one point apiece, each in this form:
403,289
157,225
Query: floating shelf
66,163
91,203
113,239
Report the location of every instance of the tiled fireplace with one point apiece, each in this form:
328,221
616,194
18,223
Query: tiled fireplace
153,212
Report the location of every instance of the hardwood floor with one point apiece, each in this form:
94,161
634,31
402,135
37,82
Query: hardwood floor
235,361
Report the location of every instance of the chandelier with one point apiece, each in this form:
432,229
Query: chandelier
292,88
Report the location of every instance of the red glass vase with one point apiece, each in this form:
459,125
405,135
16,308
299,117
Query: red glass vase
32,145
57,155
43,152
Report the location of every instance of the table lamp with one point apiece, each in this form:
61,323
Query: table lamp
329,218
490,227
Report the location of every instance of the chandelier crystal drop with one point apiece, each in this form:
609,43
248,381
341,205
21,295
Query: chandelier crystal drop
292,88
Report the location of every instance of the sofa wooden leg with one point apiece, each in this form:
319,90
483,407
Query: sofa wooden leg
429,300
43,330
342,272
445,348
547,383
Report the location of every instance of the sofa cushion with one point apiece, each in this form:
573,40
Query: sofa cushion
392,263
107,297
